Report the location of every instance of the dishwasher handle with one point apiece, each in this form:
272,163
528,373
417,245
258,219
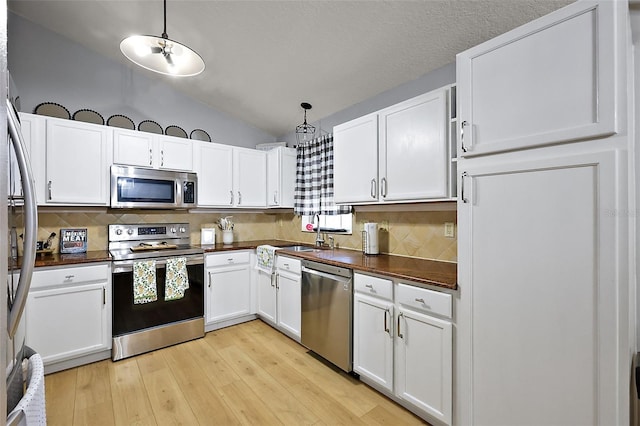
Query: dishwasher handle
306,270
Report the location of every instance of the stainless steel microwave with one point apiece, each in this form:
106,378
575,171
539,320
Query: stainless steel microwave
139,188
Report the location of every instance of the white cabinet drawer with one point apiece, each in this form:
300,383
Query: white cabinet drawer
289,264
424,300
373,286
227,258
69,275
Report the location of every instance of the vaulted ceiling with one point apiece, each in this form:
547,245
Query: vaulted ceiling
263,58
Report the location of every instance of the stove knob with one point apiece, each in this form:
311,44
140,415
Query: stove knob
130,231
173,230
183,230
118,231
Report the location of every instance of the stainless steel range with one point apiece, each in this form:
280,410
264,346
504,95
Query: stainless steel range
144,324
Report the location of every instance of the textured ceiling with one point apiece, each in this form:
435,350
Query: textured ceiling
265,57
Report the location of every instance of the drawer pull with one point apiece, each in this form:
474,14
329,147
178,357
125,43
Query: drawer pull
69,277
369,286
400,335
421,300
230,260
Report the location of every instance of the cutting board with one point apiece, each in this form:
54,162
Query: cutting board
158,247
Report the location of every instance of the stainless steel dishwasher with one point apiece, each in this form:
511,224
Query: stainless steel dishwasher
327,312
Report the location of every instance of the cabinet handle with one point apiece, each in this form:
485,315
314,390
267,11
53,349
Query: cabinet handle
386,325
68,277
239,197
104,296
277,276
49,189
275,197
162,158
400,335
421,300
230,260
150,157
231,202
369,286
209,279
462,126
374,190
464,175
383,187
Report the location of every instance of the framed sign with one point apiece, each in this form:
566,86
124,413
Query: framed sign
73,240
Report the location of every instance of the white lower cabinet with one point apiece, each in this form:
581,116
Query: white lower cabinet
403,344
68,314
279,297
228,287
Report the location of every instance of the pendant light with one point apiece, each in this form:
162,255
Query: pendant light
305,132
161,54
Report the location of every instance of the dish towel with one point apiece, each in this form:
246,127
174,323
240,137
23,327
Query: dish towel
33,401
177,279
266,258
144,282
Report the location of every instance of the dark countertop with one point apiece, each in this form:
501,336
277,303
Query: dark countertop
57,259
430,272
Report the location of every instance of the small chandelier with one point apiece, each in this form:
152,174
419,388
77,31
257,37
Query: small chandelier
161,54
305,132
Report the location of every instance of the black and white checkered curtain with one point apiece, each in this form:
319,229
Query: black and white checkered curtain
314,179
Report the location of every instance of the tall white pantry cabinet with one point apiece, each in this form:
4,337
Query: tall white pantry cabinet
544,311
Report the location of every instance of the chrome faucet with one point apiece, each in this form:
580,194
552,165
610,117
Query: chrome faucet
319,240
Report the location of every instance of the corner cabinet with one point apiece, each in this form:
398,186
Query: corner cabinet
78,157
399,154
68,315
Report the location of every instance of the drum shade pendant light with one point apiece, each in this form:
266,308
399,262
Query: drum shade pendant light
161,54
305,132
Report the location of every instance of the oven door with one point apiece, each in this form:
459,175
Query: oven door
129,317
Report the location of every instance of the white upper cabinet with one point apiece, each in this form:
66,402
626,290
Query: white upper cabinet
33,130
281,177
214,165
413,149
547,82
249,177
399,154
143,149
78,157
355,160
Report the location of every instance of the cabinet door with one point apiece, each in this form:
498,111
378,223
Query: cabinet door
78,162
214,166
373,339
542,258
267,297
289,303
132,148
174,153
229,293
33,131
424,370
68,322
414,159
355,157
281,177
550,81
249,177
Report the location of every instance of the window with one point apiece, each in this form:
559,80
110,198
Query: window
333,224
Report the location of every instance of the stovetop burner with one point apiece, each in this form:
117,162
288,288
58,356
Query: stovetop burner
142,241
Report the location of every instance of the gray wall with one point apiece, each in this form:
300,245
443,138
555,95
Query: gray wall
47,67
430,81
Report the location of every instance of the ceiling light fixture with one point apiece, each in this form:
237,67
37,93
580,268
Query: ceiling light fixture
305,132
161,54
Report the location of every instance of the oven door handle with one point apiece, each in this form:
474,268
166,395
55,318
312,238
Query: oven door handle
120,266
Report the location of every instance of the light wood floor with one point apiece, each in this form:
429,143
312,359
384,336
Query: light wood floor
246,374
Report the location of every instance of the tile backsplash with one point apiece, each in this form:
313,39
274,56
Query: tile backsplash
416,234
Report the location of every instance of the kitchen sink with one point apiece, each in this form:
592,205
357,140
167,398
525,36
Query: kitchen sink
299,248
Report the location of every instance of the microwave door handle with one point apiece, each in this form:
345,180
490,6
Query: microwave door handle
30,222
